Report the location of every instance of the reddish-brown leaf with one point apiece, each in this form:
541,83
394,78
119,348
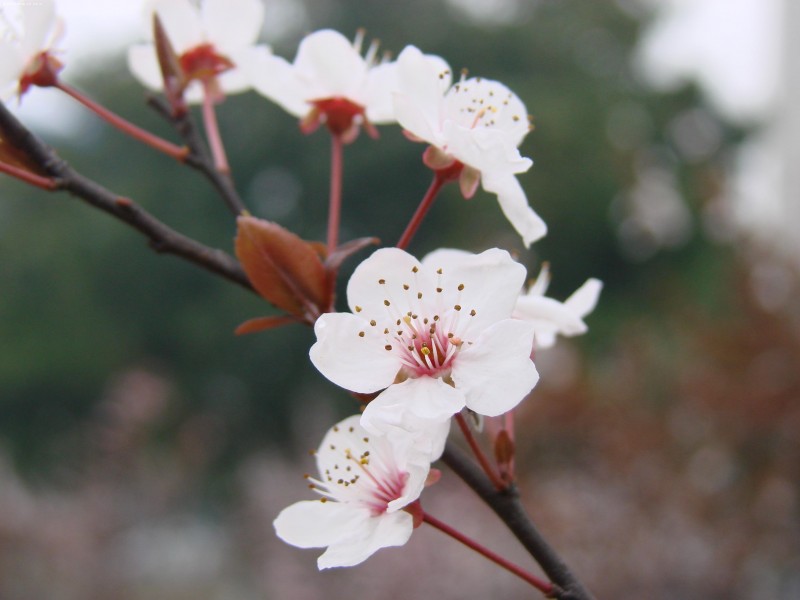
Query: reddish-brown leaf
338,256
283,268
262,323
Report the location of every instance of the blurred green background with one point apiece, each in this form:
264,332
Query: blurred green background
143,444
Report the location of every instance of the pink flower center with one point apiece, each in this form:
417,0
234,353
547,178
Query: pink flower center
363,479
426,348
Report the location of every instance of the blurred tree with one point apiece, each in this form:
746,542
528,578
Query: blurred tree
85,299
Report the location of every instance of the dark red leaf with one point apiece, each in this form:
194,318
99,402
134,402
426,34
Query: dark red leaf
283,268
263,323
338,256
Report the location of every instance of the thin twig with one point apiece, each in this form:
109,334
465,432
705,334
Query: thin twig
162,238
487,467
422,211
543,586
199,157
124,125
507,505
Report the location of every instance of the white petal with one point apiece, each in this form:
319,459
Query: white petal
549,317
143,63
481,103
330,63
415,404
492,281
419,101
356,363
483,148
496,372
539,287
515,207
417,477
384,531
232,24
276,79
314,524
549,310
390,458
446,256
416,121
381,83
38,19
11,65
181,22
584,299
237,79
367,296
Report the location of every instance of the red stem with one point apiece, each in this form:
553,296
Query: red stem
422,210
212,132
543,586
487,467
31,178
335,207
168,148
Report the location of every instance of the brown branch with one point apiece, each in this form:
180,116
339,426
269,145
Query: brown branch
199,157
162,238
507,505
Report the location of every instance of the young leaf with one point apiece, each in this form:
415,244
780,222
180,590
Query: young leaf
283,268
263,323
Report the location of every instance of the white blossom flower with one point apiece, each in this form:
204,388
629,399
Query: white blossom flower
26,41
214,44
551,317
330,82
434,335
365,482
475,126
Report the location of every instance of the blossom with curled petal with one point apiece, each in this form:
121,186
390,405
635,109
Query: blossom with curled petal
474,128
330,83
214,44
26,55
365,481
435,336
551,317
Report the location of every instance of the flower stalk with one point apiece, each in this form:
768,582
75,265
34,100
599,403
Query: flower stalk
480,455
422,210
543,586
212,130
179,153
44,183
335,204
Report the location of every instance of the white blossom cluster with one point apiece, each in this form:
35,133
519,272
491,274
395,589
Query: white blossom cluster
426,338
